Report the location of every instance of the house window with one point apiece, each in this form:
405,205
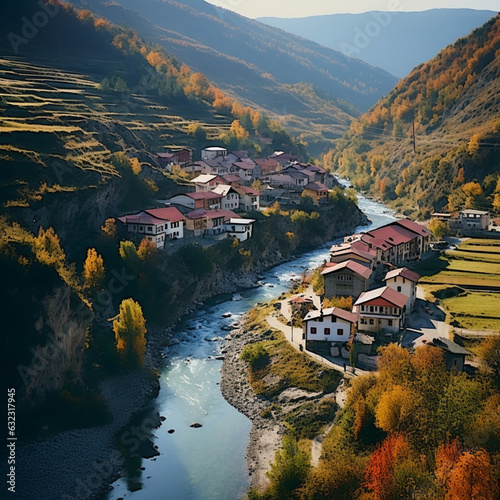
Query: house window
362,308
150,229
372,309
363,321
340,331
371,321
141,229
313,329
399,289
389,322
327,331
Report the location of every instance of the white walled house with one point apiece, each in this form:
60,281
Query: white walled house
249,198
213,152
242,229
329,325
381,309
206,182
230,197
144,225
404,281
157,225
174,221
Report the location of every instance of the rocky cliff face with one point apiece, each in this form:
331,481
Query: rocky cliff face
61,323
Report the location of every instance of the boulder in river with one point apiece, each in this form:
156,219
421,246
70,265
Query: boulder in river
196,425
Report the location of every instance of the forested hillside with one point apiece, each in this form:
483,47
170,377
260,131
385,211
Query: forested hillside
313,90
453,105
84,105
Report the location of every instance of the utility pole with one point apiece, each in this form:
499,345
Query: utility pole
413,133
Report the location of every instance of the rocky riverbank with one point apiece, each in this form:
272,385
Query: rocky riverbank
266,434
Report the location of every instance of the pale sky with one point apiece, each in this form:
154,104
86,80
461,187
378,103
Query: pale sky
301,8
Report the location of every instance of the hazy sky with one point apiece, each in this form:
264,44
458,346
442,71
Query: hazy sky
303,8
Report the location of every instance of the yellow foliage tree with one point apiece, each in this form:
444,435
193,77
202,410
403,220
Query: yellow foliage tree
48,248
129,328
238,131
147,249
394,409
109,227
93,269
474,144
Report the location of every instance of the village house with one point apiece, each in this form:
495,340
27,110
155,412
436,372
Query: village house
347,251
243,169
240,228
281,181
348,278
268,165
328,325
283,158
230,197
454,354
174,221
200,200
317,192
213,153
208,222
176,157
474,219
381,309
404,281
143,225
207,182
157,225
214,167
249,198
393,244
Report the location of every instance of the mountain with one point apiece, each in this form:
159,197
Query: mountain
314,90
452,102
394,41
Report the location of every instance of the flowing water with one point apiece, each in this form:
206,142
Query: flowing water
208,462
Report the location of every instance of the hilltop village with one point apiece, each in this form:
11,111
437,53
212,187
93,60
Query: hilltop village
224,185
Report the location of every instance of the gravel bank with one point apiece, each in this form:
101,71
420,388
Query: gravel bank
266,435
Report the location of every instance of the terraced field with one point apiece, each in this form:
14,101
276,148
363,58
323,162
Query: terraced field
467,282
59,117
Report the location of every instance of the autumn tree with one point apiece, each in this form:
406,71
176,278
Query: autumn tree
473,192
129,328
289,470
394,411
147,250
47,247
340,302
438,228
474,144
93,269
379,477
109,227
490,354
496,197
465,475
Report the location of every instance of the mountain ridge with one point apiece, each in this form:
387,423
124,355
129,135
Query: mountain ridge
390,40
259,65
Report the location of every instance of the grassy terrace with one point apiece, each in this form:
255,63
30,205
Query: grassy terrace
467,283
275,366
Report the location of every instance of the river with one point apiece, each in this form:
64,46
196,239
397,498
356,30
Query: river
208,463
